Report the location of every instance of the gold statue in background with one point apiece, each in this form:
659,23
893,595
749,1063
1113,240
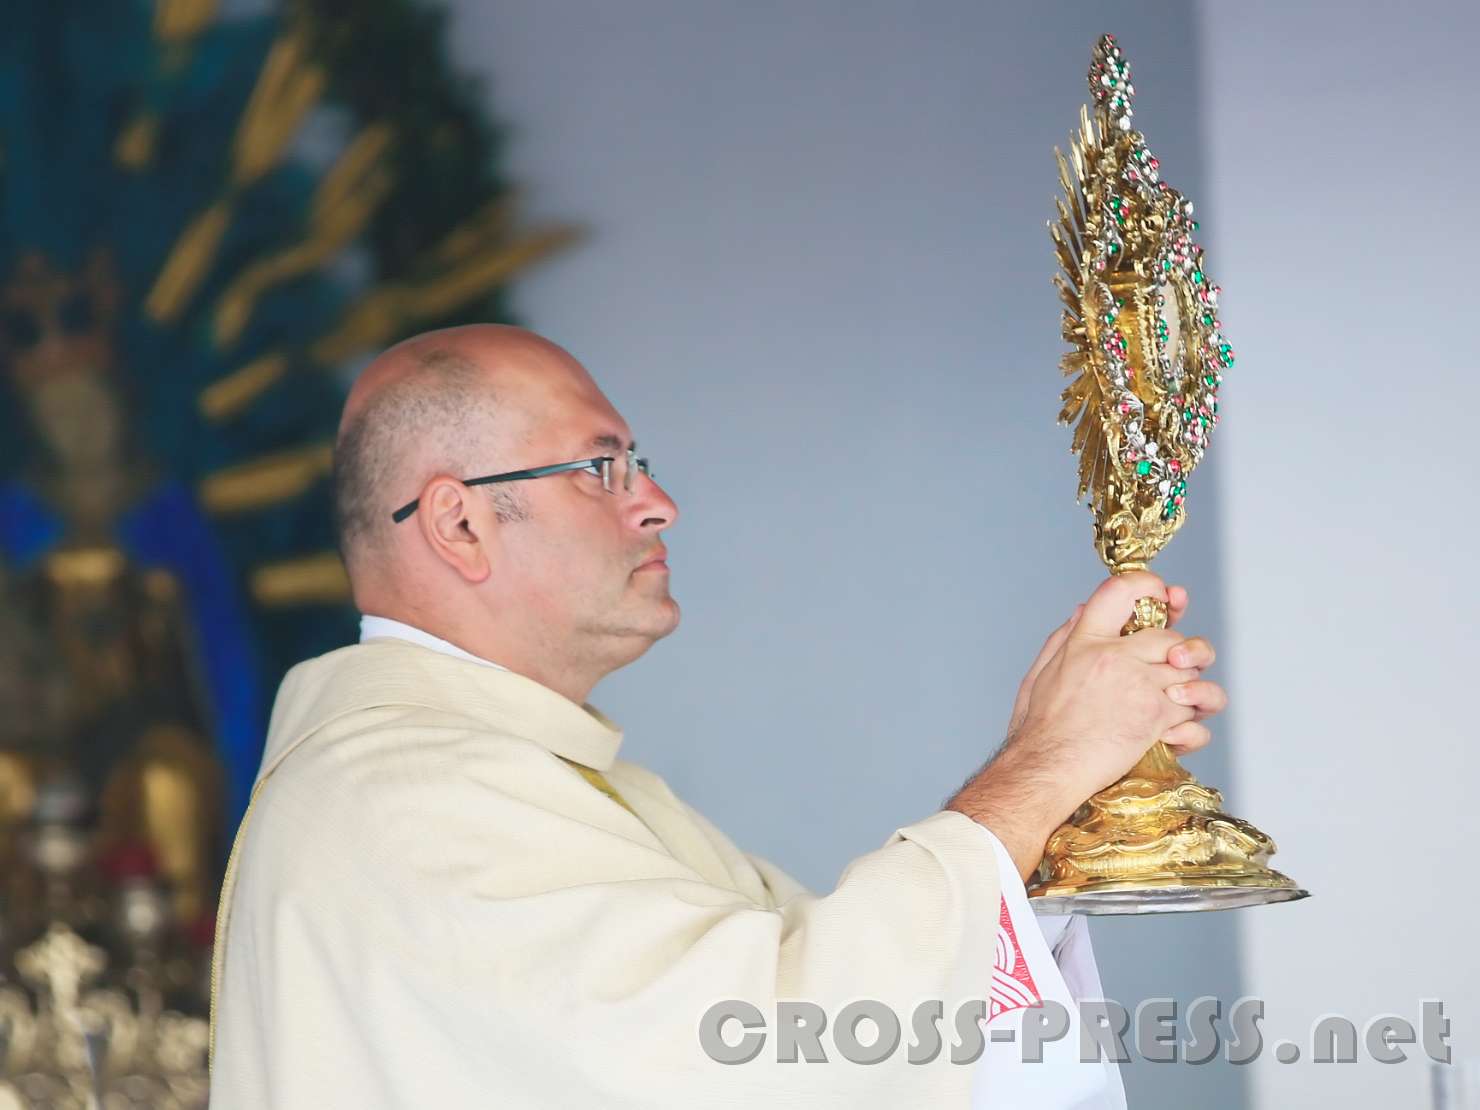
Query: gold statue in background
1148,357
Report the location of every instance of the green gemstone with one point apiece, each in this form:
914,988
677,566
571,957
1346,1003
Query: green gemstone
1208,319
1143,468
1113,249
1197,277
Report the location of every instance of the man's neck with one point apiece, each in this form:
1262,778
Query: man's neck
571,685
373,627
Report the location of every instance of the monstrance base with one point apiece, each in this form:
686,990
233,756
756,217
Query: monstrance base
1174,894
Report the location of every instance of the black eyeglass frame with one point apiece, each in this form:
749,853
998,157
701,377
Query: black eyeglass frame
600,465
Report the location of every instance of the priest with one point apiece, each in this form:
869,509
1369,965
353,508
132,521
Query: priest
450,891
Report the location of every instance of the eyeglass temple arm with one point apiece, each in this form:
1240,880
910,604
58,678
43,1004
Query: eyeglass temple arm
510,476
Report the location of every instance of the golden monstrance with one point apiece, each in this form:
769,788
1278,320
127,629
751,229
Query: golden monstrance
1148,357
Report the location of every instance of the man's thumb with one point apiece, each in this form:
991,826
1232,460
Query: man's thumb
1112,603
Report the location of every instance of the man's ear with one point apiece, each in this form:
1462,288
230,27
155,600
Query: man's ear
454,524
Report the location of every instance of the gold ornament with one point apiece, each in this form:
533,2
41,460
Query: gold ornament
1141,315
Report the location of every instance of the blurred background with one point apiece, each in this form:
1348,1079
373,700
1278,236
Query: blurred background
802,248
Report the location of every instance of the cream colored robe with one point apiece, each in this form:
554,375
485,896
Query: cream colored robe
427,908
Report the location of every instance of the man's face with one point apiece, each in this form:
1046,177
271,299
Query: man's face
588,564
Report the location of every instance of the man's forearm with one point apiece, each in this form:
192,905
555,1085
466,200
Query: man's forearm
1019,799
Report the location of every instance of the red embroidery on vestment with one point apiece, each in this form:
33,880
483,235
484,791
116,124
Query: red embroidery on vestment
1012,983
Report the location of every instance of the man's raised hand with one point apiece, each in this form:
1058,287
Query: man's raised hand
1088,709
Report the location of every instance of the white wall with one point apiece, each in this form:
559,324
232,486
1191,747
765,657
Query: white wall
817,285
1342,165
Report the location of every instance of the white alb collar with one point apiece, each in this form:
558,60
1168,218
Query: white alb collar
372,627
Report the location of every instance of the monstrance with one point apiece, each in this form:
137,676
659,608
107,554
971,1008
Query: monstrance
1149,353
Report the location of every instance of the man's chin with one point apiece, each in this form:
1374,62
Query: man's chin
670,622
655,618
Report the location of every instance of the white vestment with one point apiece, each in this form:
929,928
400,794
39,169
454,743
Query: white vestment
430,905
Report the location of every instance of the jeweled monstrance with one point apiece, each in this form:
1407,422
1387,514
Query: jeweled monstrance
1141,315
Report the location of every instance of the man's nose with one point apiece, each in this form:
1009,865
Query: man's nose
651,505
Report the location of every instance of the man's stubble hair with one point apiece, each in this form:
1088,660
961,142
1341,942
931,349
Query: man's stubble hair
446,409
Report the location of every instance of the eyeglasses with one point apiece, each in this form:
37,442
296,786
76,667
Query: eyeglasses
602,465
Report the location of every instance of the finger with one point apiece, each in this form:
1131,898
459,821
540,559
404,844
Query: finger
1152,645
1193,652
1187,737
1201,695
1113,602
1176,604
1050,648
1055,641
1168,676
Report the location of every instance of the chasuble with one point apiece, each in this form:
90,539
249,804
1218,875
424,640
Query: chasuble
450,892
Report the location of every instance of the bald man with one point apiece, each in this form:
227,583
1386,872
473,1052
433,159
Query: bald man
450,892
